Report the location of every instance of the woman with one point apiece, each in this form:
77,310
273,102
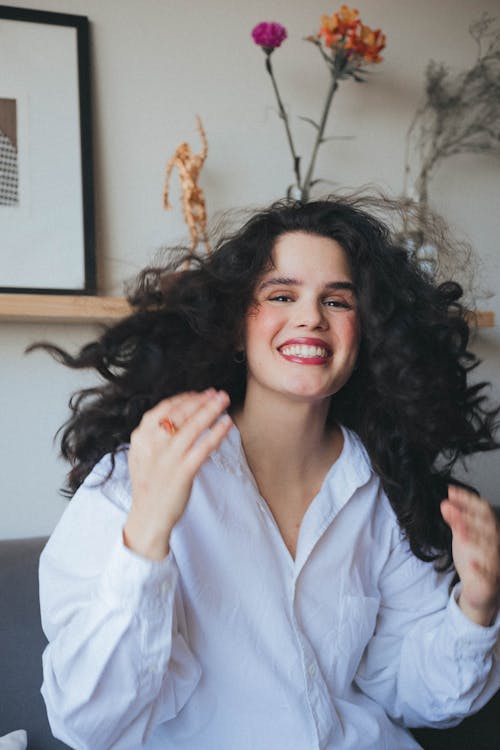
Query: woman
250,562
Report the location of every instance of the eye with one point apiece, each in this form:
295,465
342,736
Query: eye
280,298
338,303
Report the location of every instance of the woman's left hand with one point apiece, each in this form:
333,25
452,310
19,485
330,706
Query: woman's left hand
476,552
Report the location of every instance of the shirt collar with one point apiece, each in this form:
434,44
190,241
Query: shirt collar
351,470
229,456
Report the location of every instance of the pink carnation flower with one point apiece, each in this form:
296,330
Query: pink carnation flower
269,35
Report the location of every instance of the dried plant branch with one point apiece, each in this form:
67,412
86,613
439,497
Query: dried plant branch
460,113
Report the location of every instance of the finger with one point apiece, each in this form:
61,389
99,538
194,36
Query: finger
454,518
180,413
150,431
482,524
471,529
482,539
201,420
466,499
168,406
472,505
481,518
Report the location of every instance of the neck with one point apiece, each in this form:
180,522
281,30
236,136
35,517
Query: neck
287,439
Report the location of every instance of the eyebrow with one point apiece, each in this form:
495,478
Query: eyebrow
290,281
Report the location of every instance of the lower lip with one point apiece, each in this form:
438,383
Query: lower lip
305,360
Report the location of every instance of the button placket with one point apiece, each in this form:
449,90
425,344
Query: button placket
164,588
318,699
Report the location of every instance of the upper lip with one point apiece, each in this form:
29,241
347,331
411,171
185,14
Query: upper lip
308,342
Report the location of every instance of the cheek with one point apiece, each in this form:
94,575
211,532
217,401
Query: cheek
260,324
351,334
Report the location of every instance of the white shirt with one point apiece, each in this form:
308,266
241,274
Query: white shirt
230,644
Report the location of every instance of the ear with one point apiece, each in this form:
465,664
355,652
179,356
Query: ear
240,339
239,356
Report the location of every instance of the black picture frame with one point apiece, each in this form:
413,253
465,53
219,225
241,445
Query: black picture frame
47,225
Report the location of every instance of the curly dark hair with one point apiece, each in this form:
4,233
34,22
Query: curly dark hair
408,399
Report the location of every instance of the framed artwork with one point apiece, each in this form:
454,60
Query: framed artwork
47,236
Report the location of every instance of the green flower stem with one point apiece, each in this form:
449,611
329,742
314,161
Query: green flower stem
306,187
284,117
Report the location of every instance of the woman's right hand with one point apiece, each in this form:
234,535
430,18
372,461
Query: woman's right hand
162,466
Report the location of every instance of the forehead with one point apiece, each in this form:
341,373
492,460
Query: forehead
302,253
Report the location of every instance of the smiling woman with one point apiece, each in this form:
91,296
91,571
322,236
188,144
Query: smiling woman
302,333
262,485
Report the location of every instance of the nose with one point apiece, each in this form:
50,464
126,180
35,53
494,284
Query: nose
311,314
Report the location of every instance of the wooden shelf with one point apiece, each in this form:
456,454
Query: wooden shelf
61,308
484,318
83,309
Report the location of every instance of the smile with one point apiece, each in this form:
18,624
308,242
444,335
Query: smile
305,352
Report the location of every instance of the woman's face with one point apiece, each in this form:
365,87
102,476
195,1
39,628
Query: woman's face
302,334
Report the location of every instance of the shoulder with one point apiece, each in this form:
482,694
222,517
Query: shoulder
93,519
357,471
100,503
110,478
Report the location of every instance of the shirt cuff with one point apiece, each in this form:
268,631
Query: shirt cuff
477,637
135,583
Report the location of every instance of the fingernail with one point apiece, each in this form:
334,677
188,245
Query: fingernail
222,396
209,392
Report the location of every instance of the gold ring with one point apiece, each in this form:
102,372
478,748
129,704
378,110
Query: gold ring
168,425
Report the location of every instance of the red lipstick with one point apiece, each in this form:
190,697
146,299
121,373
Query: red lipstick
306,341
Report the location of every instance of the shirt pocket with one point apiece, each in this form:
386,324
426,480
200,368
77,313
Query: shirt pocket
357,620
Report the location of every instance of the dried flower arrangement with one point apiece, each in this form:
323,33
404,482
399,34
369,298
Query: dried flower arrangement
460,113
189,166
346,45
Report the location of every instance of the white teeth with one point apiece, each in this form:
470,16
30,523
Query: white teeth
303,350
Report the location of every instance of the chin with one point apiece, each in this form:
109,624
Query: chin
307,392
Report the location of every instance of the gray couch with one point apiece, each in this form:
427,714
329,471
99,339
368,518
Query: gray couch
22,642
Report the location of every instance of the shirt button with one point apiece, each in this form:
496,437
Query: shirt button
312,670
164,589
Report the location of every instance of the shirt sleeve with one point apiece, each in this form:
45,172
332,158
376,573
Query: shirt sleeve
427,663
118,662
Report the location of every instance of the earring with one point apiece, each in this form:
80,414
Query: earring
239,357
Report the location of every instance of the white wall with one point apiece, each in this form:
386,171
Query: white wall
155,64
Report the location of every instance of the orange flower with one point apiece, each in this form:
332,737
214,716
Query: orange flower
365,43
337,28
348,17
330,23
344,31
368,43
367,36
330,39
329,30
